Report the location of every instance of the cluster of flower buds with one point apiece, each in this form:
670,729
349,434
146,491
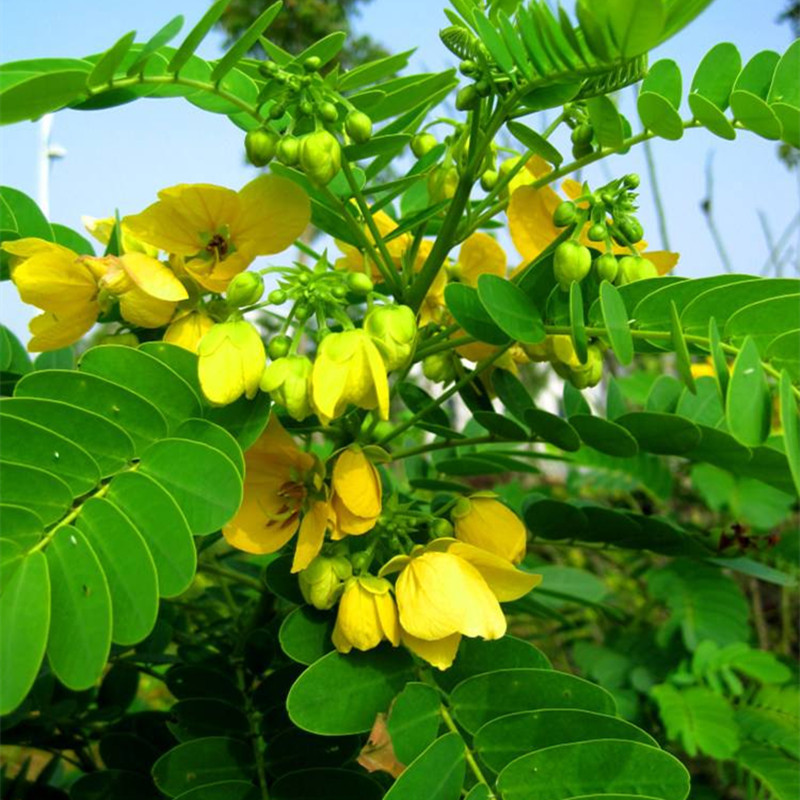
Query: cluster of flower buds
559,351
306,123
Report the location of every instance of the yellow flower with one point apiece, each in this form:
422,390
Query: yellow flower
530,217
288,381
367,615
218,232
101,230
231,361
356,261
283,494
479,255
451,587
348,369
356,498
440,653
482,521
187,329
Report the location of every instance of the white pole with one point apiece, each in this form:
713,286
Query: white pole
48,152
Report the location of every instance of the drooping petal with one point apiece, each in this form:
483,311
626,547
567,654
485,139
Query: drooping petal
664,260
153,277
357,483
311,536
505,581
492,526
481,254
440,653
53,331
530,220
139,308
188,329
54,280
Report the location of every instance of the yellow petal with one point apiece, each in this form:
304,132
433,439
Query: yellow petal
231,361
311,536
664,260
439,594
530,219
153,277
274,212
347,523
505,581
188,329
31,246
254,532
139,308
53,331
440,653
357,483
380,383
481,254
54,280
490,525
364,619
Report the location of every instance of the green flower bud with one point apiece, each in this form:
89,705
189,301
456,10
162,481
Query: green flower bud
277,111
277,297
467,67
358,126
322,581
606,267
312,63
339,292
422,144
245,289
328,112
302,312
631,181
260,146
278,347
288,381
564,214
635,268
359,283
489,179
597,232
582,134
268,68
320,156
439,368
467,98
442,183
483,88
631,229
393,329
571,262
582,150
590,373
288,151
441,528
306,107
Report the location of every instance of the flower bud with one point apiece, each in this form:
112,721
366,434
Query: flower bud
322,581
606,267
320,156
598,232
358,126
288,151
635,268
582,134
359,283
564,214
467,98
231,360
277,297
631,229
631,181
245,289
288,381
393,329
441,528
278,346
582,150
571,262
442,183
312,63
439,368
328,112
422,144
489,179
260,146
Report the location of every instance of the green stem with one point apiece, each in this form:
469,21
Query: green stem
446,345
231,575
428,448
472,763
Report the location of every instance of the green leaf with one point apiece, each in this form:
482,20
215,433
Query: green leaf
80,629
417,399
576,321
377,146
107,64
721,373
205,432
198,717
663,434
140,419
552,429
615,318
437,774
500,425
512,393
511,309
179,360
636,25
587,768
128,566
109,445
305,634
514,45
606,121
29,219
482,698
748,409
660,99
158,39
683,362
159,520
749,95
604,435
28,443
783,353
24,625
196,35
784,94
535,142
246,41
293,750
764,321
117,783
414,721
325,784
373,71
245,419
791,427
188,681
503,739
468,311
20,525
41,492
711,88
198,762
493,41
339,695
63,358
36,95
777,773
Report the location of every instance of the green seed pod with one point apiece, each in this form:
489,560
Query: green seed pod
320,156
571,262
359,283
260,146
467,98
631,229
598,232
358,126
312,63
245,289
288,151
564,214
489,179
582,134
328,112
277,297
606,267
278,346
422,144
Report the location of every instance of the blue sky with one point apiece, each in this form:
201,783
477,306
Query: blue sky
120,158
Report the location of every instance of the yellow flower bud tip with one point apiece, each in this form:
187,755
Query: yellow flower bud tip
367,615
231,361
288,381
394,331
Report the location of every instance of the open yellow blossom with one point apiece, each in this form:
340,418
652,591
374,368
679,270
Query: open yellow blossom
348,369
485,522
283,494
231,361
218,232
188,328
367,615
355,260
356,498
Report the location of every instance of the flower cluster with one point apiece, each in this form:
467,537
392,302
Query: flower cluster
444,588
